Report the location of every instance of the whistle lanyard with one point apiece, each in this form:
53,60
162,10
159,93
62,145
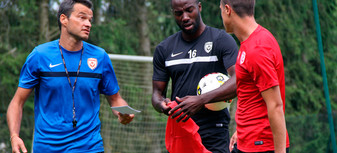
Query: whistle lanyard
72,87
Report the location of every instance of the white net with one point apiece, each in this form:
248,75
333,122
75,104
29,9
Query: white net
146,133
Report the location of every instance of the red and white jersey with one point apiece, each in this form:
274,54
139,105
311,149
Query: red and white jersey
259,66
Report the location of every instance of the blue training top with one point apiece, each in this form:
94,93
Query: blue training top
45,71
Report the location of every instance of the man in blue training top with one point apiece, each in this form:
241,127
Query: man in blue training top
68,76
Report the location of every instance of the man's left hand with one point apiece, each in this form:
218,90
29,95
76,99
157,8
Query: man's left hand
125,118
188,106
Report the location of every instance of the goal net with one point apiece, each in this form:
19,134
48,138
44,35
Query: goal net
146,133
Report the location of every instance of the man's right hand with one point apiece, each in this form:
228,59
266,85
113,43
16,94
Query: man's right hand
17,145
165,108
159,100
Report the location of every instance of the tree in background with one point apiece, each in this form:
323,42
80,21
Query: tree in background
135,27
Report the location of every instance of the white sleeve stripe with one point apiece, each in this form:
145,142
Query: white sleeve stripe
191,60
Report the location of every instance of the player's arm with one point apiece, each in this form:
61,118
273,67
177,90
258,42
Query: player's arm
117,100
272,97
224,92
14,117
190,105
159,102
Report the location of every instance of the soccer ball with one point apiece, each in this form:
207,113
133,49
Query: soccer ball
210,82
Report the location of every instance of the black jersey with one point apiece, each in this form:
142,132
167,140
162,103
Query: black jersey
185,63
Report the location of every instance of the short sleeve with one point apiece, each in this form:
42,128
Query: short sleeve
160,72
109,84
262,68
30,73
228,48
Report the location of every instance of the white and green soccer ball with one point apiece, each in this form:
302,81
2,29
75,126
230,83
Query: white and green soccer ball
210,82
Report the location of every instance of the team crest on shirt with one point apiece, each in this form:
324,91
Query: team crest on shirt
243,57
92,63
208,46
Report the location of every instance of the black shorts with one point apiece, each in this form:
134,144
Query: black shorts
215,139
236,150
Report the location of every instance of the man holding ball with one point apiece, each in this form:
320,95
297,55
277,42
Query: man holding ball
185,57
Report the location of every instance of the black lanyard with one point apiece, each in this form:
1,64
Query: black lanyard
72,87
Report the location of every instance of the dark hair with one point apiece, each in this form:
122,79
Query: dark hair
241,7
196,1
66,8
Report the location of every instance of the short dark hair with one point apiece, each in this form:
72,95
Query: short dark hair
196,1
66,8
241,7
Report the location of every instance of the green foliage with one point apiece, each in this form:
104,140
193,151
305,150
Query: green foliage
290,21
329,35
161,21
308,133
211,14
112,36
18,36
11,65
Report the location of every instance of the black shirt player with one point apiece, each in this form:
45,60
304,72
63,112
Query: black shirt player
185,57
